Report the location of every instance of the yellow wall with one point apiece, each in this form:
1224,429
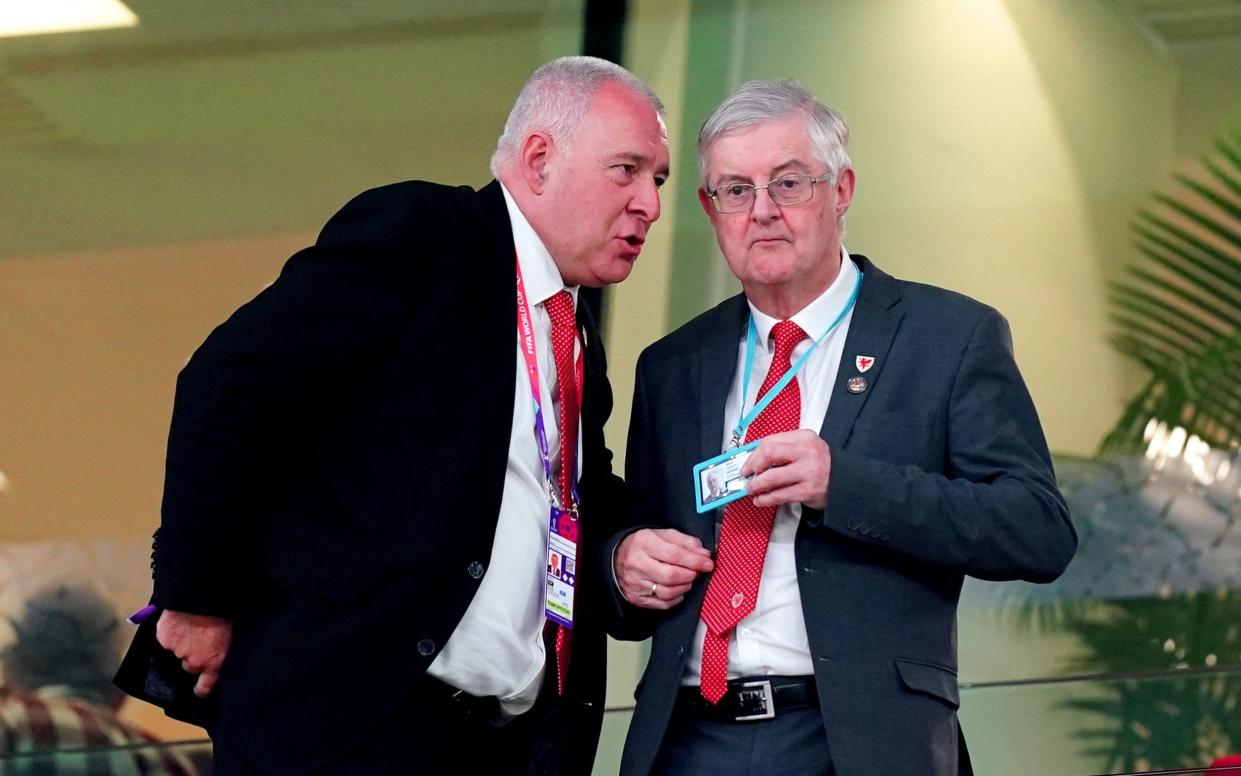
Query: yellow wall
148,188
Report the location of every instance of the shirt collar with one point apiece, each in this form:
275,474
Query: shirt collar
538,270
815,317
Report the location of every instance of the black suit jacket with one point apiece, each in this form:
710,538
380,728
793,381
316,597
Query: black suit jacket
939,469
335,469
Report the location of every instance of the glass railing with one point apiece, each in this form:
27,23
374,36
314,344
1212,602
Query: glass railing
1163,722
173,758
1159,722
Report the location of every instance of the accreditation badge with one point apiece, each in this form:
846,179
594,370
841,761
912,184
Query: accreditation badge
561,566
718,480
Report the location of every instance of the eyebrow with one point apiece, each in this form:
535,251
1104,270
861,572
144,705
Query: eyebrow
639,158
776,172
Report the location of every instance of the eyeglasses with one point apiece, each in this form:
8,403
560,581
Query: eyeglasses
792,189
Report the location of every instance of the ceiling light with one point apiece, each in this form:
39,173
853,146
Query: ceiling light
40,17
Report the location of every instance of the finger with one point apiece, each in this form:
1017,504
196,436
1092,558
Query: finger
638,591
665,605
666,574
676,555
651,602
669,592
684,540
794,494
638,597
784,448
163,633
772,453
205,684
646,569
779,477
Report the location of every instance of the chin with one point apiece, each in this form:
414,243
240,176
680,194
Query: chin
772,269
616,271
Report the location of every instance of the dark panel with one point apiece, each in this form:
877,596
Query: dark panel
603,36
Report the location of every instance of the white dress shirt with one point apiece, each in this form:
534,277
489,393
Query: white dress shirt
497,648
772,639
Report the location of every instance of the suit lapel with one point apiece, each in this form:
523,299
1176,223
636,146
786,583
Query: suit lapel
716,370
876,318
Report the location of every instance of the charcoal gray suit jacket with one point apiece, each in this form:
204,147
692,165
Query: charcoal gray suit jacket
939,469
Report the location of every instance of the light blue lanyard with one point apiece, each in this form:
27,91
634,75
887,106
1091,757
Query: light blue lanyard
752,342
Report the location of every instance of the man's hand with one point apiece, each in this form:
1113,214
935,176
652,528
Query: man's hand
200,641
795,467
656,566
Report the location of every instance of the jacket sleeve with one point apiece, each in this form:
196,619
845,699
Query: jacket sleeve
994,512
625,621
332,306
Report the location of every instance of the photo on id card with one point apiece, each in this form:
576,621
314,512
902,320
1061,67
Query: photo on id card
718,480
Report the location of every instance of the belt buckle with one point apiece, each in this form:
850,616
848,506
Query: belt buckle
754,701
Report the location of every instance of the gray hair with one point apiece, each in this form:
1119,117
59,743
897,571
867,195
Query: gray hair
556,98
756,102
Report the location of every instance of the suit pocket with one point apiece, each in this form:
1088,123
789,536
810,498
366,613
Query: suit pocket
936,681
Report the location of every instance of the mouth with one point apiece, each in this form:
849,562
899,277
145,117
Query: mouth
766,242
631,244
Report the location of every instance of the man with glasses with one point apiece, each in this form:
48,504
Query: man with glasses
889,447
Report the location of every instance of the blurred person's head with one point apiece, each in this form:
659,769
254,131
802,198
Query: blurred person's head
67,641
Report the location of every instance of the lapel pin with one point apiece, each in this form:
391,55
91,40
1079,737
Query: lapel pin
856,384
864,363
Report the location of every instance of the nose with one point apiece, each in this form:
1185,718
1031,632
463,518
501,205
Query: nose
645,202
764,207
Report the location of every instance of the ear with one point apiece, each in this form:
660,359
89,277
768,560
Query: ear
532,159
844,190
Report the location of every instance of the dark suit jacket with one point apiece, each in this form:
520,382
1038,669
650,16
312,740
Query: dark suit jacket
939,469
335,469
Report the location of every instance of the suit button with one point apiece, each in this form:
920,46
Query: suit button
864,530
883,537
426,647
476,570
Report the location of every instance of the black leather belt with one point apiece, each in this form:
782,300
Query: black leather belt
753,698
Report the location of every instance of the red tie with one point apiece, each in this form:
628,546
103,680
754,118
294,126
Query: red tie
733,589
564,339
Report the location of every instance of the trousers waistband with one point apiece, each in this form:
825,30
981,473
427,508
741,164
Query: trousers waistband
750,699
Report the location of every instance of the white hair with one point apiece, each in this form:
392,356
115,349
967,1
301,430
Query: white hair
760,101
556,98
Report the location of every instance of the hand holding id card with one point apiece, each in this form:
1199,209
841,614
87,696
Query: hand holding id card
718,480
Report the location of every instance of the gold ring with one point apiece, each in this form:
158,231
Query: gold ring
654,589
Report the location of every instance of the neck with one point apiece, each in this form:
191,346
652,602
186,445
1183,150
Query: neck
529,205
781,303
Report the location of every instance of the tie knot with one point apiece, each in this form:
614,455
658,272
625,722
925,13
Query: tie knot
787,334
560,309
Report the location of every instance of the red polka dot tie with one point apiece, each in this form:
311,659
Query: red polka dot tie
733,589
568,382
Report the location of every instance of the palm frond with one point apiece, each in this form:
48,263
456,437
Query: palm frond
1178,312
